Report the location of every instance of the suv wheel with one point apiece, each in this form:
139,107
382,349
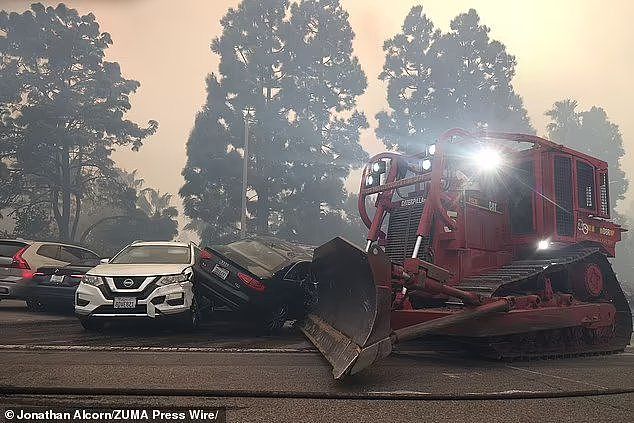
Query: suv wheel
190,321
276,318
91,325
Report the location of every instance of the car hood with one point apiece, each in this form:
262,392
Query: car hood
138,269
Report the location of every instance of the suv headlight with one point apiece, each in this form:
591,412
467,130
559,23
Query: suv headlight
170,279
92,280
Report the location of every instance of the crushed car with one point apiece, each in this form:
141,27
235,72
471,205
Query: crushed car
266,278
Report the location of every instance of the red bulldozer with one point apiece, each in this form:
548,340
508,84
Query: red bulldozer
497,241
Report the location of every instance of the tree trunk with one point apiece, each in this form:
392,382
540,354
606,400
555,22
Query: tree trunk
73,232
78,195
64,224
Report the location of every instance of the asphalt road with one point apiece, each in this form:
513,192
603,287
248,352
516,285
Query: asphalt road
49,359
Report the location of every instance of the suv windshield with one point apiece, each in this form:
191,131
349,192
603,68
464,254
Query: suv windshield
152,254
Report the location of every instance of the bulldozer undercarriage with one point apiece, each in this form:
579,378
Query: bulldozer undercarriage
592,281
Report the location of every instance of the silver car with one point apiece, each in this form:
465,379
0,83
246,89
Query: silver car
20,259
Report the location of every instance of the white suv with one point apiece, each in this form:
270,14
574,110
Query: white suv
144,280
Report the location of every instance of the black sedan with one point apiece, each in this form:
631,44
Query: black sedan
54,287
265,277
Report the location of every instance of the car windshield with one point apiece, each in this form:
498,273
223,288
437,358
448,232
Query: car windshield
259,257
152,254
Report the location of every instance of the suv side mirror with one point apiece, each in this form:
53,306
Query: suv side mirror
104,261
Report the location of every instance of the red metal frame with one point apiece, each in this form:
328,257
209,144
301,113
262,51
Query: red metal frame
462,255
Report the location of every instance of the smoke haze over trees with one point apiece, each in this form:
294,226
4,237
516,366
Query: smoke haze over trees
437,81
63,111
291,67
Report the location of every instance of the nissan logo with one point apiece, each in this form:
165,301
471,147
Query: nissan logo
128,283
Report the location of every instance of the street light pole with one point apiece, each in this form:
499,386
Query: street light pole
245,166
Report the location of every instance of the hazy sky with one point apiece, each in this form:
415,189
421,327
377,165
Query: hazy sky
565,48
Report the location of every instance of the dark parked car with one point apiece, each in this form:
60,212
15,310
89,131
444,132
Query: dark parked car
54,287
266,277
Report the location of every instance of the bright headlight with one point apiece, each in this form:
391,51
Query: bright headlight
92,280
431,149
543,244
170,279
370,180
426,164
376,167
488,159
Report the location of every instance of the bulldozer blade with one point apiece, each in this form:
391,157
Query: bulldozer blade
350,324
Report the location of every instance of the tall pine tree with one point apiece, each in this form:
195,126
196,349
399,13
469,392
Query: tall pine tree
436,81
291,67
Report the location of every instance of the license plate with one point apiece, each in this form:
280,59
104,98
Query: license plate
220,272
57,279
124,302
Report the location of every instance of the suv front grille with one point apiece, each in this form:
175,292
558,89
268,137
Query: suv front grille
109,295
136,281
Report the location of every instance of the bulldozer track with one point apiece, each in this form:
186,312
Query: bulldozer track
568,342
490,282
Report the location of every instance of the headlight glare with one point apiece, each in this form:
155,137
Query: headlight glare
543,244
426,164
488,159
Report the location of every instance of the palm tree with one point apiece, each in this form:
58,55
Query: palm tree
155,204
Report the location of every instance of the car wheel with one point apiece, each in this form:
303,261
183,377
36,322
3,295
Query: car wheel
276,318
190,321
35,305
91,325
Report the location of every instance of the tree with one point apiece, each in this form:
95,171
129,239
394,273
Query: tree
140,213
291,67
437,81
62,108
153,203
